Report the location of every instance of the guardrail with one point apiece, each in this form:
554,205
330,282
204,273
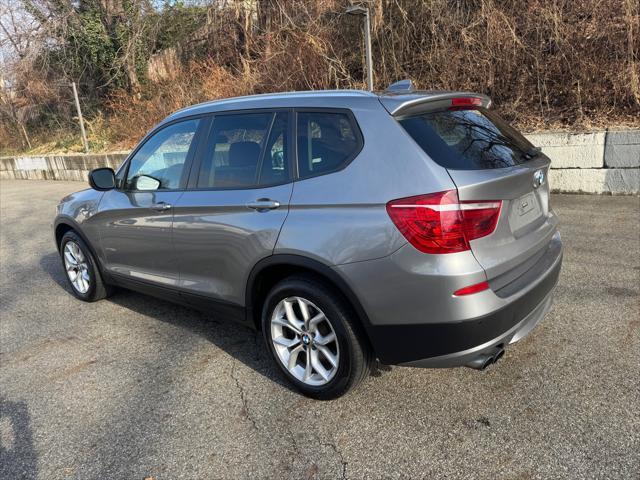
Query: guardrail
599,162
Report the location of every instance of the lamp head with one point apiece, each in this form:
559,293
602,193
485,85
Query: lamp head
356,10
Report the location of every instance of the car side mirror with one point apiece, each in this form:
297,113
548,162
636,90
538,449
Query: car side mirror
102,179
147,183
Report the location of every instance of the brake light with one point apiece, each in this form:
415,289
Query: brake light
478,287
439,223
466,102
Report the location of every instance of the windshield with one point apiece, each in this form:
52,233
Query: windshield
469,139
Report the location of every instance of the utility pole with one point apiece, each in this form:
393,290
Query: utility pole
364,12
85,143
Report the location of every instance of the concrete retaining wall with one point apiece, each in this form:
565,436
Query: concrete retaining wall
57,167
598,162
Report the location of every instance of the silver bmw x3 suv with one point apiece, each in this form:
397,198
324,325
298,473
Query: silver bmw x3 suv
406,226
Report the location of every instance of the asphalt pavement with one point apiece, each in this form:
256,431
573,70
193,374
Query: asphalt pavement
133,387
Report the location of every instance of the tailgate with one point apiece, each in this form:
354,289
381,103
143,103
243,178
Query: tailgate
489,160
526,224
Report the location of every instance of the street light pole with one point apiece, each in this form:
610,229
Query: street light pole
367,37
362,11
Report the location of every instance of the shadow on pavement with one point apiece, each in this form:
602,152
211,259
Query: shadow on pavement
18,458
239,341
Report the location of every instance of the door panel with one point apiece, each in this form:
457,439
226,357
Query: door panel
136,235
219,238
240,200
135,220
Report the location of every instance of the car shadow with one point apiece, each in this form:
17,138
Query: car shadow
241,342
18,458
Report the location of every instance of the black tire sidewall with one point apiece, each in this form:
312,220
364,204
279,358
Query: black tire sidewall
336,312
93,271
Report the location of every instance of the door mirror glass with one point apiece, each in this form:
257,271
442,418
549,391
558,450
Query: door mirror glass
102,179
145,182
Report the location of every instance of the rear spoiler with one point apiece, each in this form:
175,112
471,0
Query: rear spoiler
411,103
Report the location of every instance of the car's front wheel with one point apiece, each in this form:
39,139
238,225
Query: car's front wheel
310,331
81,269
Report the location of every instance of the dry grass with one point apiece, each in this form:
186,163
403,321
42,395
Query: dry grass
560,64
197,82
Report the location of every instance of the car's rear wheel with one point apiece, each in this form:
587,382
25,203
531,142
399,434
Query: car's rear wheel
310,331
81,269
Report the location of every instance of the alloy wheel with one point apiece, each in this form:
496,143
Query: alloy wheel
77,267
305,341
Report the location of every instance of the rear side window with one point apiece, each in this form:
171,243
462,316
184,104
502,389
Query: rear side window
246,150
326,142
274,168
469,139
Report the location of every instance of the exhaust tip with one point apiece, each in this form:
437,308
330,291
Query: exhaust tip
484,360
480,362
488,362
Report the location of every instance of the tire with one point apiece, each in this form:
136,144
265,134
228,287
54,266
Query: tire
85,267
324,380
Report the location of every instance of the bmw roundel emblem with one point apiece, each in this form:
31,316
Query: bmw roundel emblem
538,178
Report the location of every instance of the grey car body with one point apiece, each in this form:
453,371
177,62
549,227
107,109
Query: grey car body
221,249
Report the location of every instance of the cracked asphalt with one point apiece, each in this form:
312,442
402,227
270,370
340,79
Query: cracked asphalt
133,387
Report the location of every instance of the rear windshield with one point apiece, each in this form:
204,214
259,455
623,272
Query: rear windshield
469,139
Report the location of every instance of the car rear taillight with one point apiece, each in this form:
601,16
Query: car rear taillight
440,223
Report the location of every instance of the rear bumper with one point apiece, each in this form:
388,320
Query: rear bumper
515,333
449,344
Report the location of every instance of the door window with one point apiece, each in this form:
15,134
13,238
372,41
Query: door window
245,150
275,165
326,142
159,163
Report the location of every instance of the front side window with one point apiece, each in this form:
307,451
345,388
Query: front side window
159,163
246,150
326,141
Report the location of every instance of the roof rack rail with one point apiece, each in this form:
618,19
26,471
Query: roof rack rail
405,85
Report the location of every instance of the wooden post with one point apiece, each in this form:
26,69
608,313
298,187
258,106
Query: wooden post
85,143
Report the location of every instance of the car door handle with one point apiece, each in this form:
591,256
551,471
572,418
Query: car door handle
160,207
263,204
